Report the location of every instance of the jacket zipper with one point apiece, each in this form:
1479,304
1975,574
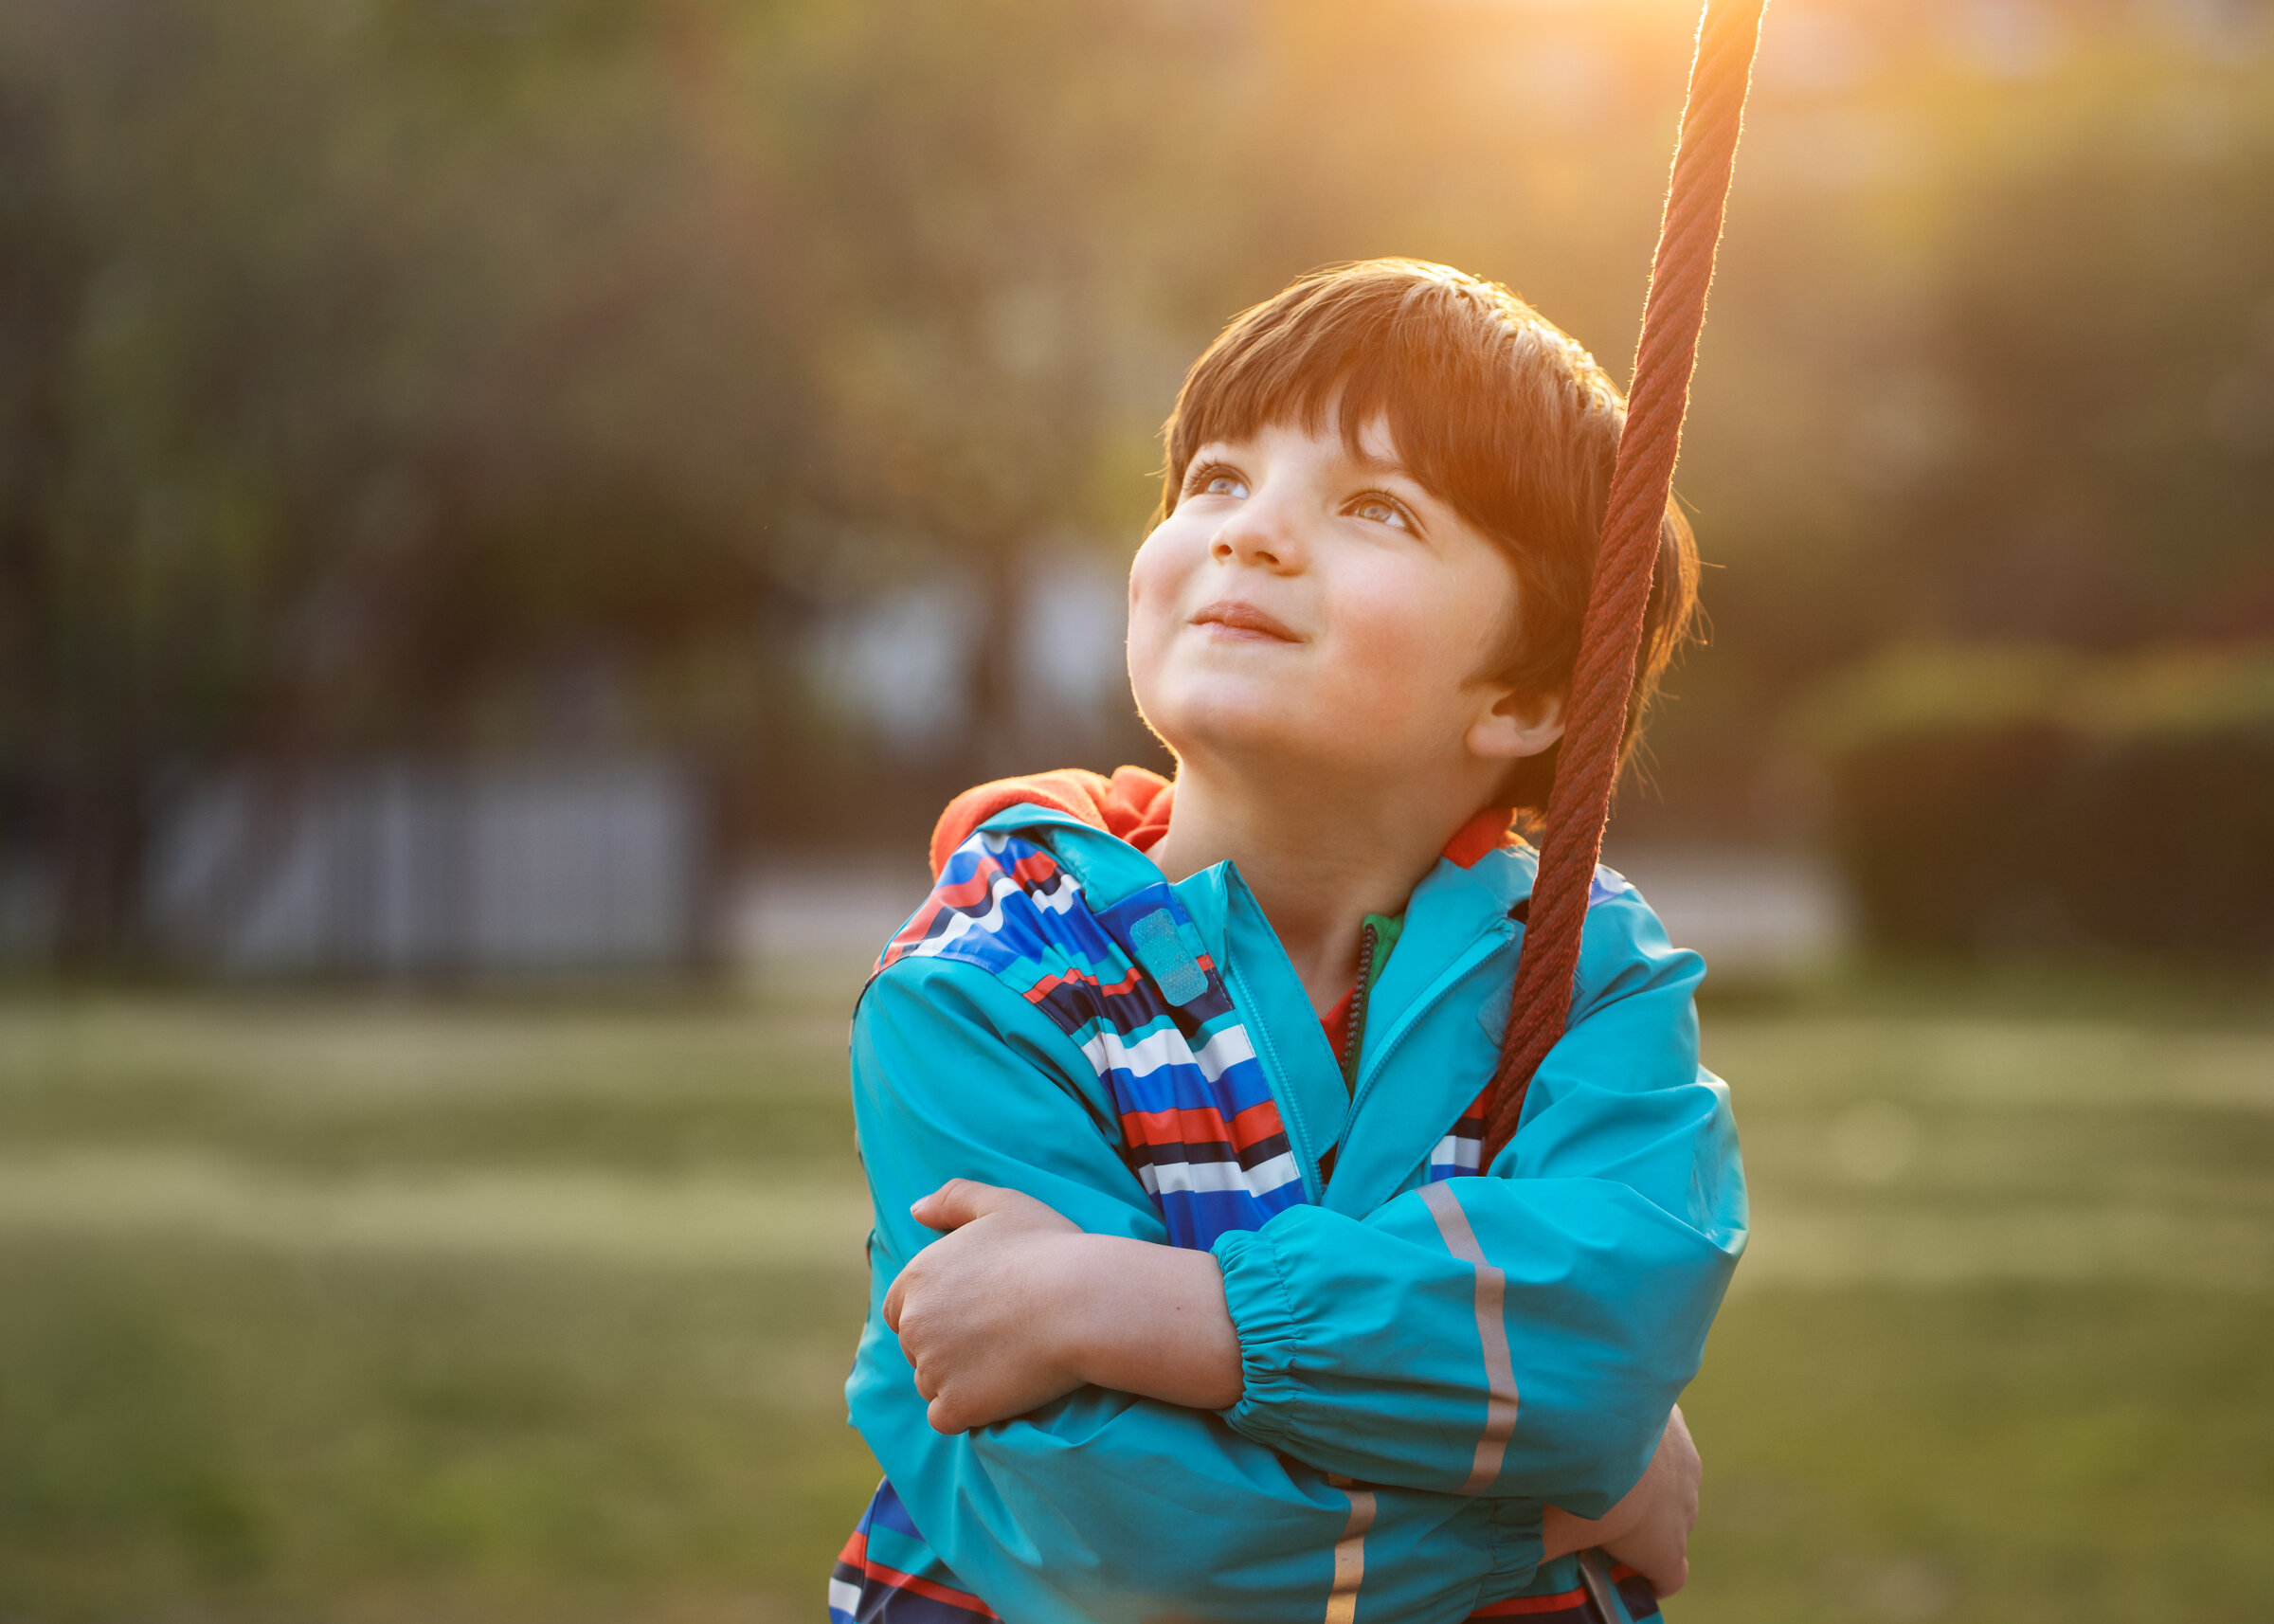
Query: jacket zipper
1354,1036
1354,1030
1479,953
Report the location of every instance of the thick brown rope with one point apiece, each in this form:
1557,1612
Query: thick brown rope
1603,678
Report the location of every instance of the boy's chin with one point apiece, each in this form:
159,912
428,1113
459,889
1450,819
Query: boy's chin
1224,733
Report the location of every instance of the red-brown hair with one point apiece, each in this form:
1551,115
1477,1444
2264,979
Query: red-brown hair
1492,408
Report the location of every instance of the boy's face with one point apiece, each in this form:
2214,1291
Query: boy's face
1319,613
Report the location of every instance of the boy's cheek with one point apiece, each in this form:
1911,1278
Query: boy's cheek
1153,603
1144,648
1154,583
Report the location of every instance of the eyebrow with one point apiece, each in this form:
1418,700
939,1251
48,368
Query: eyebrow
1382,467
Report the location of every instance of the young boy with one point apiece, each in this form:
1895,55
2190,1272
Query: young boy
1190,1299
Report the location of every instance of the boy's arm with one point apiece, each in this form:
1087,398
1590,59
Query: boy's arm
1099,1505
1019,1308
1524,1333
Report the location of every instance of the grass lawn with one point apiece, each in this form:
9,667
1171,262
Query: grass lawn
334,1309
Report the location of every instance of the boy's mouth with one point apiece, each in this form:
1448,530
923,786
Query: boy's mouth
1237,617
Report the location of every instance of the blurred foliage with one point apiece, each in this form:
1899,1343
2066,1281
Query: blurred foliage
1934,690
2037,797
444,374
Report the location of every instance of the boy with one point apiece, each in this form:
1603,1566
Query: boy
1224,1323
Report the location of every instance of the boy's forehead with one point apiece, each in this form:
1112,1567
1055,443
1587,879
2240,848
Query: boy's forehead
1372,448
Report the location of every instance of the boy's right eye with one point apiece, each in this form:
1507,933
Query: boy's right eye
1215,482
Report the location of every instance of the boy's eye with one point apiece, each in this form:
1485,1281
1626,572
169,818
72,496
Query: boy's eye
1219,482
1382,509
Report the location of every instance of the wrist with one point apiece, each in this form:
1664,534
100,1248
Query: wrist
1138,1317
1075,1336
1560,1533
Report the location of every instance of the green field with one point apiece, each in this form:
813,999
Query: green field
339,1310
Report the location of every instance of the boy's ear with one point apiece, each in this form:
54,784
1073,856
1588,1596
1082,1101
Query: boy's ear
1513,726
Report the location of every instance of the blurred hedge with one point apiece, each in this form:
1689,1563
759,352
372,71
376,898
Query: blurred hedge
2034,796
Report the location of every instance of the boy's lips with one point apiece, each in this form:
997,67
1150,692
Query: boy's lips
1237,617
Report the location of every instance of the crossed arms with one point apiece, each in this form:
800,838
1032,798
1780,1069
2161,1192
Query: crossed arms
1017,1307
1177,1411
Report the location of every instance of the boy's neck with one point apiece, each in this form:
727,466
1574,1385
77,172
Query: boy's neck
1317,858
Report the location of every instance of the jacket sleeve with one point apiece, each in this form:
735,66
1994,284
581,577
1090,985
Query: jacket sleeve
1103,1506
1524,1332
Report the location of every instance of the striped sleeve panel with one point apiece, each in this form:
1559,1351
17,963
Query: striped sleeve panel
888,1575
1577,1607
1461,1152
1147,1005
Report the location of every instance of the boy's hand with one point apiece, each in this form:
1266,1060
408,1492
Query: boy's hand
1649,1530
976,1311
1017,1307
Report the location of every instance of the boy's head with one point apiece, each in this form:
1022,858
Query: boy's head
1377,532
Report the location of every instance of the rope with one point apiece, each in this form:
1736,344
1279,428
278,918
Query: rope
1604,677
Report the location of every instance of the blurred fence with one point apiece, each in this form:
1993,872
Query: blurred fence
426,869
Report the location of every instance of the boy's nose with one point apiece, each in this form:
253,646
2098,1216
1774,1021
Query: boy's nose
1251,539
1247,550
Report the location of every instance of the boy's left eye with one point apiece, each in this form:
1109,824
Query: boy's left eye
1382,509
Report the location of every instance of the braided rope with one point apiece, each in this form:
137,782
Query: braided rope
1604,677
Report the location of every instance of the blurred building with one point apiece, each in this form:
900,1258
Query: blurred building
904,667
496,868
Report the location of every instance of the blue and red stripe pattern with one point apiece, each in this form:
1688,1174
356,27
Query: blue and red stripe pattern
1140,996
1634,1590
1564,1606
1576,1606
1461,1152
888,1575
1136,991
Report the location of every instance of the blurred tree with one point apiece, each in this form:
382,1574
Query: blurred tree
2112,458
455,374
366,386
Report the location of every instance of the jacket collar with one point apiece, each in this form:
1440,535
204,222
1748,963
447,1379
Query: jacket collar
1458,919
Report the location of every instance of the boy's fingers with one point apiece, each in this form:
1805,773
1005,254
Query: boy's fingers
892,1305
958,1202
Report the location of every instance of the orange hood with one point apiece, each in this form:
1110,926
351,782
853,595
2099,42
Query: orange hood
1133,805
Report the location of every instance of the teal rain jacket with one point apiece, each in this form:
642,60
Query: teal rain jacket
1430,1354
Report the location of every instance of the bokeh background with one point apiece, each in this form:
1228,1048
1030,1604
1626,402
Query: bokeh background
516,513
